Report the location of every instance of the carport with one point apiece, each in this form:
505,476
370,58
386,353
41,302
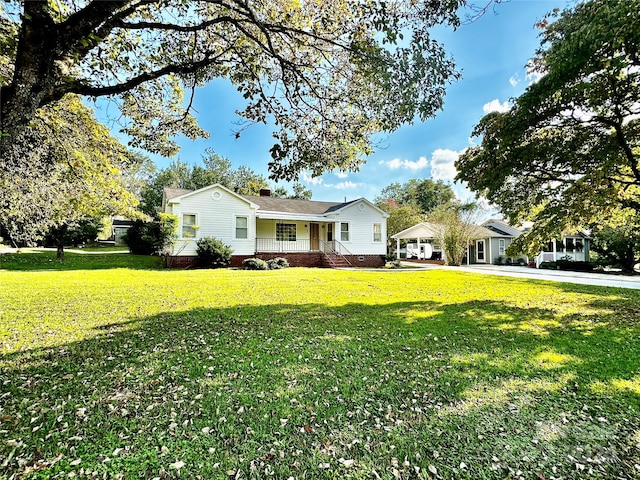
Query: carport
424,234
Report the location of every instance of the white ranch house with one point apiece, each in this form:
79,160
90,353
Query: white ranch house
307,233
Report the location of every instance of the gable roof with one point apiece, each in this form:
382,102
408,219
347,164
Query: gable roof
170,193
501,227
419,230
293,205
179,193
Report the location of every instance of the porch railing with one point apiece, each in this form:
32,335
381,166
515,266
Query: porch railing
334,246
282,246
301,245
335,253
576,256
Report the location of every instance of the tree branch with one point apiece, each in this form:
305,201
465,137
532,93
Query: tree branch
181,68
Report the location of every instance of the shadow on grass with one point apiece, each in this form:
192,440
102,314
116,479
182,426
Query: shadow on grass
292,390
46,260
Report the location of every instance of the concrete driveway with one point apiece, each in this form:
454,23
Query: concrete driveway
582,278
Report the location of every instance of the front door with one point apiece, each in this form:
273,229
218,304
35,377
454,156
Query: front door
480,251
314,236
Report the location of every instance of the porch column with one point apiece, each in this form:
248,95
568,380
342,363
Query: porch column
555,254
398,248
418,248
490,259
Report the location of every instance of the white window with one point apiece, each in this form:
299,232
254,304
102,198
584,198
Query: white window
188,225
377,232
344,232
286,232
242,227
501,246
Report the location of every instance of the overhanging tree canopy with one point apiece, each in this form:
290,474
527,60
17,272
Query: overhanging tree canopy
64,168
566,154
330,74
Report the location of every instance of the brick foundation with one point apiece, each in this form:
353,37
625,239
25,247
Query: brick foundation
303,259
370,261
184,261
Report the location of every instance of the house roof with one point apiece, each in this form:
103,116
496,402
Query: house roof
280,207
116,222
291,205
480,232
501,227
175,192
429,230
419,230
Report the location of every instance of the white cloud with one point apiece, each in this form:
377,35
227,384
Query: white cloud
414,166
495,106
341,185
534,76
514,80
341,174
312,180
442,164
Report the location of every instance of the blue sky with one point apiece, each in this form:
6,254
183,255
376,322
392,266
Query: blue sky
491,53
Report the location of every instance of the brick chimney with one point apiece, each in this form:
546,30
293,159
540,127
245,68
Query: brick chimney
265,192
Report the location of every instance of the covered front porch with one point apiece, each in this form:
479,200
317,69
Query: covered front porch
281,235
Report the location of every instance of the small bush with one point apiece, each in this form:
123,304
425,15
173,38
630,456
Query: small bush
277,263
255,264
548,266
149,238
570,265
141,238
213,253
499,260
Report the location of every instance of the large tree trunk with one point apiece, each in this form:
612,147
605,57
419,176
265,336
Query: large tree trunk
628,260
36,68
60,234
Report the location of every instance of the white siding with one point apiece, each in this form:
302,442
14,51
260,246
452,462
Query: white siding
216,211
361,217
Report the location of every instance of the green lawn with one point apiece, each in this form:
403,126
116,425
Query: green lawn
31,260
313,373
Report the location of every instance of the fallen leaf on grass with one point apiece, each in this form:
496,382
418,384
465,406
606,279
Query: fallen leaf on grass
347,463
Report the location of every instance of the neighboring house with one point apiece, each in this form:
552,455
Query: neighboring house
575,247
490,243
497,240
119,229
307,233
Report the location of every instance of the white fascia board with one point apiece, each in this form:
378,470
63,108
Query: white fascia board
264,215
